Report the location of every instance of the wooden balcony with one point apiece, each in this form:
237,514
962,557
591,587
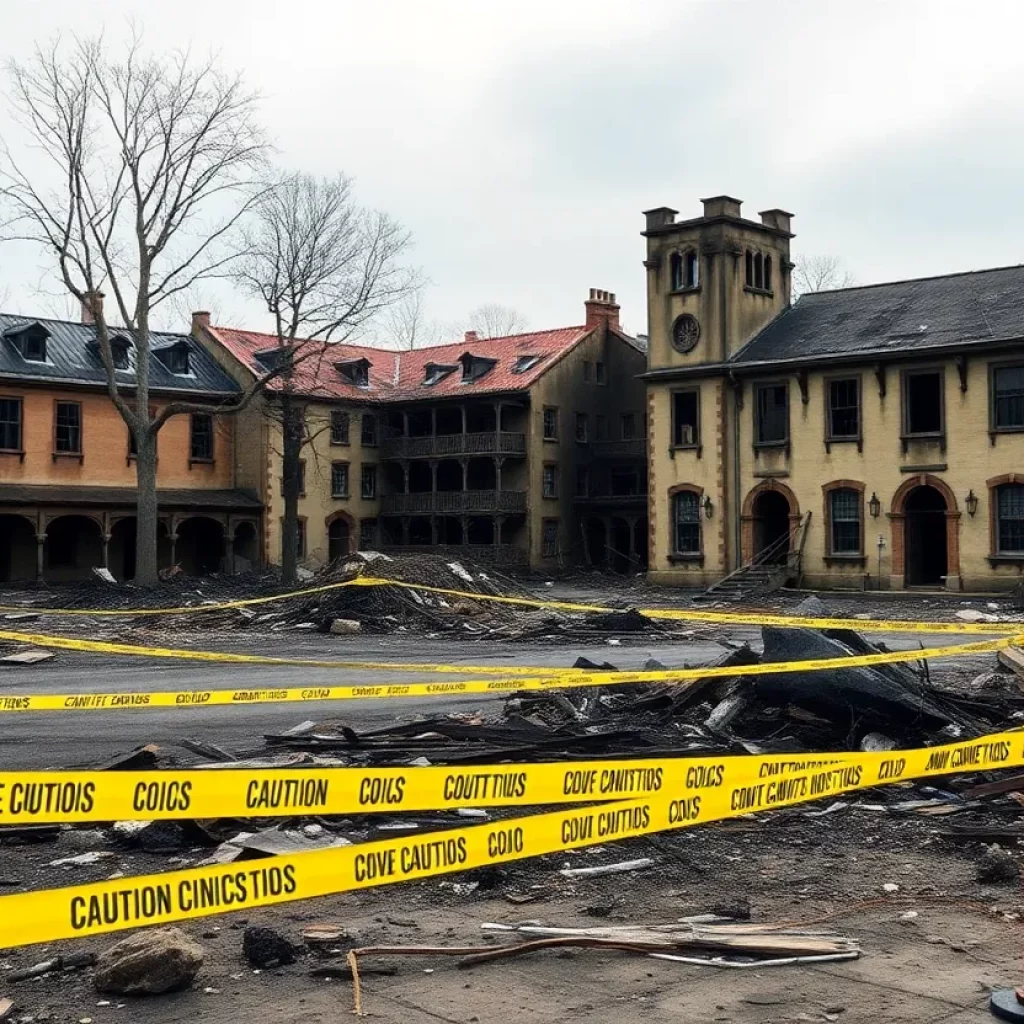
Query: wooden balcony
453,502
446,445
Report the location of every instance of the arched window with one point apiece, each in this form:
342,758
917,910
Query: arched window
750,269
845,518
1010,519
691,275
686,523
758,271
768,273
676,268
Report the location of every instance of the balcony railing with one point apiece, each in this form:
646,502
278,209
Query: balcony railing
633,448
482,443
448,502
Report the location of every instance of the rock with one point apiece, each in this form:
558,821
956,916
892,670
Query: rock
148,963
83,839
812,608
345,627
890,887
973,615
653,665
264,947
996,865
466,608
162,837
877,742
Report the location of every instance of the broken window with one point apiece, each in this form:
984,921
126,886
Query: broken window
549,481
686,520
202,438
582,427
771,409
1010,517
368,434
355,371
628,426
922,403
582,481
10,424
1008,398
339,427
434,373
522,364
549,538
119,353
844,505
475,367
68,428
550,423
368,482
176,358
685,429
843,409
339,479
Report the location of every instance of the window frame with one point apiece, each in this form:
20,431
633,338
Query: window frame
997,549
68,453
19,401
993,369
336,415
201,459
759,386
696,444
370,467
546,523
369,417
545,468
905,376
348,478
674,554
553,410
830,437
843,557
34,337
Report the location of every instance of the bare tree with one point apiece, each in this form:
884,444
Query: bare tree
406,325
495,321
324,267
147,166
819,274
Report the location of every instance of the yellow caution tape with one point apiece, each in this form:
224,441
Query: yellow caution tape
450,688
688,615
116,904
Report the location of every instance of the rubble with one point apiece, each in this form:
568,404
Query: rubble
996,865
149,963
264,947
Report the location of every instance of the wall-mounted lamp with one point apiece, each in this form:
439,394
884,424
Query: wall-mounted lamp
971,501
874,506
709,507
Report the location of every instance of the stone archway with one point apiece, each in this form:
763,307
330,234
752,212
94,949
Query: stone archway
917,496
763,519
74,547
340,535
199,548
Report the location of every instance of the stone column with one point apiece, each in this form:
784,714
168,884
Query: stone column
105,538
173,537
40,553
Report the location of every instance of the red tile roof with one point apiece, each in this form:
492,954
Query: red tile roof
398,376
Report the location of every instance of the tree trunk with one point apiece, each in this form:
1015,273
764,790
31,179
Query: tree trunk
146,507
292,437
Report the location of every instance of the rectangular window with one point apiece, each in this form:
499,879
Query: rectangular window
369,430
368,482
771,409
628,426
600,374
202,438
685,419
587,371
601,427
10,424
339,427
843,409
686,519
549,538
339,479
367,534
1008,398
1010,516
922,403
67,438
549,487
550,423
582,481
302,479
582,427
844,513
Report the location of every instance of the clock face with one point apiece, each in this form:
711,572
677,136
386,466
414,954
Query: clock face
685,333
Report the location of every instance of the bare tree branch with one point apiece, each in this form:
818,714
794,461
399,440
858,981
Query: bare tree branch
820,273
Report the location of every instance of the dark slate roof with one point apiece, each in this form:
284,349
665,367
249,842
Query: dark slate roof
903,316
73,357
44,494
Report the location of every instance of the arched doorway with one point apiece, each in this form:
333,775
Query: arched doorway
771,527
339,538
74,547
17,549
200,546
924,530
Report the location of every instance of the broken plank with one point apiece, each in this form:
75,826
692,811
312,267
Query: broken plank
27,657
1013,659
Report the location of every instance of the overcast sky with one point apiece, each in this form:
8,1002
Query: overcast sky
520,141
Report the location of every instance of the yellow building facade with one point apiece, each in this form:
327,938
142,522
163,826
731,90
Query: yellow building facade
872,437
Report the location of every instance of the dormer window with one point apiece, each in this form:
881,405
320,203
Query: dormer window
175,357
475,367
30,341
524,363
119,346
271,358
434,373
355,371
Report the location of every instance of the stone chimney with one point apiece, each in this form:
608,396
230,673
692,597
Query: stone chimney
200,320
92,307
601,308
722,206
659,217
780,219
471,337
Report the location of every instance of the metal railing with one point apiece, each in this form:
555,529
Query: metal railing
442,502
477,443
